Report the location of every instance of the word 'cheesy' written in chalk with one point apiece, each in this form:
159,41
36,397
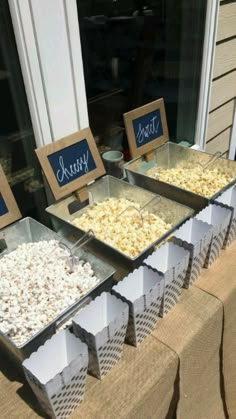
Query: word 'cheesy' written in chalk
147,128
72,162
80,165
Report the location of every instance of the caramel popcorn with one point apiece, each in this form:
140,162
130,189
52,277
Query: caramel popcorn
130,232
204,182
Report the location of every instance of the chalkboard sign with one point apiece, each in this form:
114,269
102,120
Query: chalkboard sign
9,211
71,163
146,127
3,207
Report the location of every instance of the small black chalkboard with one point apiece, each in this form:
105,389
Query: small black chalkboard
146,127
9,211
3,207
71,163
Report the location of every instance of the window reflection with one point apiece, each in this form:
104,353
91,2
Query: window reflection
135,52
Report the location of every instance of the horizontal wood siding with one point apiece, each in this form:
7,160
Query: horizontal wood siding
223,90
227,21
220,119
225,58
220,143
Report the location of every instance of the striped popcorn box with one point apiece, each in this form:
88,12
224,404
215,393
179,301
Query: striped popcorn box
102,326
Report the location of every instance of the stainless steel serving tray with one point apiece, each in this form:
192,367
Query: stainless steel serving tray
109,186
28,230
168,156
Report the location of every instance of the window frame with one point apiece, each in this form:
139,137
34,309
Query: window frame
33,27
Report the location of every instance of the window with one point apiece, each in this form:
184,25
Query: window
135,52
17,143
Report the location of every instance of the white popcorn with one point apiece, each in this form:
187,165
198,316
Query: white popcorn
129,232
205,182
36,286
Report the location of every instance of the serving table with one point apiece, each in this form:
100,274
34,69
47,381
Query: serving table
185,369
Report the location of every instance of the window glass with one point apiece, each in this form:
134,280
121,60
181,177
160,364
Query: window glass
17,142
136,51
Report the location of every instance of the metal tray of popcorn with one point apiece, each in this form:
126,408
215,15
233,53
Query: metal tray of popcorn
111,237
186,167
28,230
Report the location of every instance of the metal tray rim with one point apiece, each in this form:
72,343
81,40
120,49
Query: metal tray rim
180,190
66,312
156,242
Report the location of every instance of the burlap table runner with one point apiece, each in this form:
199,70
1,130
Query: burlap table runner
220,281
141,386
145,384
193,330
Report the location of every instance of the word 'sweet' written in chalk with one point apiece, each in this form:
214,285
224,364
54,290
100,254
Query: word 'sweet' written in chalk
147,128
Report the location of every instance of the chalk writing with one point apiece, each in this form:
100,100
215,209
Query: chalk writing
147,127
80,165
72,162
148,130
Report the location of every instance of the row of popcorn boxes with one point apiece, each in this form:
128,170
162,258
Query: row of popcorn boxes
130,312
100,329
57,371
96,344
212,229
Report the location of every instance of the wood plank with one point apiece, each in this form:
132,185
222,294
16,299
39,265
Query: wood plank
225,58
220,119
223,90
219,143
227,21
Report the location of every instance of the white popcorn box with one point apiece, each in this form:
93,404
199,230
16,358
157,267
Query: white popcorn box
228,199
57,373
171,261
102,326
143,291
195,236
219,217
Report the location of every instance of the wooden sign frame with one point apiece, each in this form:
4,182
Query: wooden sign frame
80,182
139,112
13,213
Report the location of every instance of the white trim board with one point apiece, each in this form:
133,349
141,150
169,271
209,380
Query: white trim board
207,71
232,147
48,41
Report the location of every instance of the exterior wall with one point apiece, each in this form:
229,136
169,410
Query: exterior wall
220,131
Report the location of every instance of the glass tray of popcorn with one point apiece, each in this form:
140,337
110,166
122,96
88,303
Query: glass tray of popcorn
188,176
127,221
43,284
